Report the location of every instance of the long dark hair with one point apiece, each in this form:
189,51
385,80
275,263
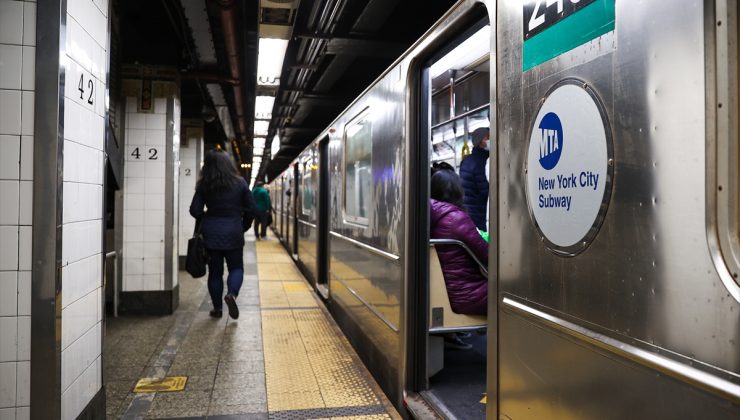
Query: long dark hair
218,173
447,187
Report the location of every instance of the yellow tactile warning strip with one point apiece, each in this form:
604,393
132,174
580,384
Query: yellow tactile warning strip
310,366
166,384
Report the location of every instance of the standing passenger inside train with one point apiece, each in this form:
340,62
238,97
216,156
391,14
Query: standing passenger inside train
230,210
467,287
262,203
474,179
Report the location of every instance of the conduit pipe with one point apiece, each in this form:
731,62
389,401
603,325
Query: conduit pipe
228,24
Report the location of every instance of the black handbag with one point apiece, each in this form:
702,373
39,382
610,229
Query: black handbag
197,259
269,218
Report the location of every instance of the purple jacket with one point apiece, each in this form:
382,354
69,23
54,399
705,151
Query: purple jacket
466,286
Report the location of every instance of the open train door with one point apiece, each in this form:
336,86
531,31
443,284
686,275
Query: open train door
452,356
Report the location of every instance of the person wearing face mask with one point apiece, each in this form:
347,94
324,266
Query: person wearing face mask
474,179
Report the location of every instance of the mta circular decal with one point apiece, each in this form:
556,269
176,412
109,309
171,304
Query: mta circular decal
551,143
569,174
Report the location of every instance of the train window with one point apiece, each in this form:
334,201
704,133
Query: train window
358,169
726,193
307,189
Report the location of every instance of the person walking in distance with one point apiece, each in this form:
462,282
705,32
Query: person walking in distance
263,206
474,179
229,213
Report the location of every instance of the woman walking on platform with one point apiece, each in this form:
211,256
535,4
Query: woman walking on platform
230,210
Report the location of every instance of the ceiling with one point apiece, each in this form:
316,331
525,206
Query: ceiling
335,49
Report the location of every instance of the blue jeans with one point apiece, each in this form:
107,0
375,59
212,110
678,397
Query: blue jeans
235,263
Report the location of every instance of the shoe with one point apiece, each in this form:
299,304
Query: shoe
456,343
464,334
231,303
264,236
216,313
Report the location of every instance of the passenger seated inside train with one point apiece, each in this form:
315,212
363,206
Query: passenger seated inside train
467,287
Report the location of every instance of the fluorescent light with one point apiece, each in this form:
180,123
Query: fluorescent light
260,128
465,54
275,145
256,161
270,61
258,151
258,142
263,107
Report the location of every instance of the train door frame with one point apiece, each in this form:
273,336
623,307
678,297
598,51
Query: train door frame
322,243
419,150
296,203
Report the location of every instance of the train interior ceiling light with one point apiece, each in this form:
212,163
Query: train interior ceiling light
270,61
465,55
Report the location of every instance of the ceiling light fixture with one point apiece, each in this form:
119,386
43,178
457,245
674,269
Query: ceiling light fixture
270,61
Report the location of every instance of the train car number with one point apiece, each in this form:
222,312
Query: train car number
542,14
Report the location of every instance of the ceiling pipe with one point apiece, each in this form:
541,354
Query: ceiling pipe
228,24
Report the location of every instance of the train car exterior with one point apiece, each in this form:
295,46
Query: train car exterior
614,198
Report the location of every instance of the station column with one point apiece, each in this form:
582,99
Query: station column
150,193
191,160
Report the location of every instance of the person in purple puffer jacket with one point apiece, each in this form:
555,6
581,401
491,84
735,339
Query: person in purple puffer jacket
467,287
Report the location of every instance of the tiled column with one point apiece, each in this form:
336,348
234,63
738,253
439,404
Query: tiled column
69,160
17,63
191,158
150,200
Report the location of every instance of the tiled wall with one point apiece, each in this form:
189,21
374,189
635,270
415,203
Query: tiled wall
17,64
82,217
144,197
189,171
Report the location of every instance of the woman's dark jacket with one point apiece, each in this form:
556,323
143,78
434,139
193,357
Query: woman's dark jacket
466,285
230,214
475,184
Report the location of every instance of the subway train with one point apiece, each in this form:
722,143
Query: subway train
613,212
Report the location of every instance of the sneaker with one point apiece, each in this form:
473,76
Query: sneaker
215,313
231,303
456,343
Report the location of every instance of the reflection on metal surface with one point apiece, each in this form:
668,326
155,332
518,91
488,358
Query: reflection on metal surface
303,222
711,383
366,303
367,247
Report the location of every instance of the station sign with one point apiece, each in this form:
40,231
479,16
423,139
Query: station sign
569,167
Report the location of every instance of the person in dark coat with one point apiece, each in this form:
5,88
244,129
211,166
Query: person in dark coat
474,180
467,287
230,210
263,207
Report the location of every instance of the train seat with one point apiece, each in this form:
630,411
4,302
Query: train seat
441,317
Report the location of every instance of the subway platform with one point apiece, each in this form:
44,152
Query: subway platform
284,358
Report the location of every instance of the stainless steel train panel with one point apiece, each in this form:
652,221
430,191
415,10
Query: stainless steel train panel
307,211
647,280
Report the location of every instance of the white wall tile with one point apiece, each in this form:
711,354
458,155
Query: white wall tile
133,250
80,355
154,202
136,121
8,293
133,266
23,413
155,188
24,338
25,237
134,218
11,64
86,53
153,249
28,76
153,233
82,163
153,265
151,282
153,218
7,414
82,125
25,216
135,170
24,293
131,105
26,168
160,105
79,394
10,111
27,112
133,234
23,383
155,121
135,136
81,240
78,317
8,247
134,201
11,22
10,154
81,278
132,283
10,193
82,202
89,17
157,138
9,342
29,24
7,381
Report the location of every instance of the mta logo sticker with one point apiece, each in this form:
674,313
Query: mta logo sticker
551,141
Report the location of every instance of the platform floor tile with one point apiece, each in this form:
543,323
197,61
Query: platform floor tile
284,358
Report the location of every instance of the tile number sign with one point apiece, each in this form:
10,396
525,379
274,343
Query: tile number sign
144,153
86,87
